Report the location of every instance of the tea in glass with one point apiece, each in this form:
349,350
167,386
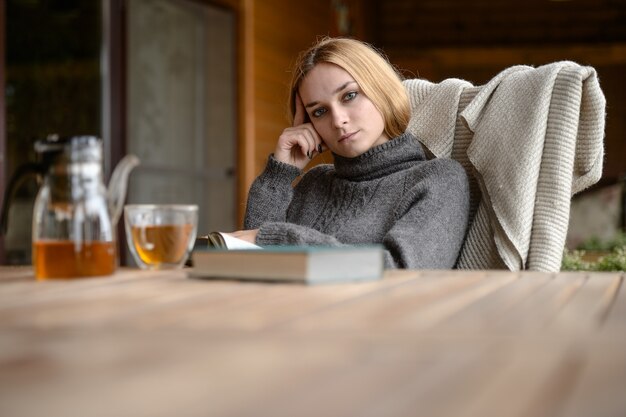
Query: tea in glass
160,236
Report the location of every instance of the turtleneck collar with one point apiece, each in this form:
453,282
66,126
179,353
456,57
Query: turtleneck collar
392,156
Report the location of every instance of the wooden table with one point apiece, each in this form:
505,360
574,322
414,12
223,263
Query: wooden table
428,343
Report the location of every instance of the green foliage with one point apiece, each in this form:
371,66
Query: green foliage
612,261
573,261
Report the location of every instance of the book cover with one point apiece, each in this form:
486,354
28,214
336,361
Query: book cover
305,264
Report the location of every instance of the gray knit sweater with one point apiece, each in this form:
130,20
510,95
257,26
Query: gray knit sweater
390,195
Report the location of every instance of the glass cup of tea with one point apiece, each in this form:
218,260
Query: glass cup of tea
160,236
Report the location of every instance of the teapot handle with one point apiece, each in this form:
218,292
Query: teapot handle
20,174
118,185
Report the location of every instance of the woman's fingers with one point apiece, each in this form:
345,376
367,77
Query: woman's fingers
298,144
304,136
294,147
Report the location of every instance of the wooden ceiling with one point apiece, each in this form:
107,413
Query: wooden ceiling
436,23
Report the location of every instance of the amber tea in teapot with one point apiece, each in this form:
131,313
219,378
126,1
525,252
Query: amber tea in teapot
64,258
75,215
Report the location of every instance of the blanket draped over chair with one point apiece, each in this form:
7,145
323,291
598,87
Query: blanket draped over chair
529,139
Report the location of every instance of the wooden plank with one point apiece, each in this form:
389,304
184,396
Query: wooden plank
116,304
379,377
600,389
156,373
614,321
208,373
534,380
25,289
534,313
398,307
587,305
167,298
269,306
479,317
438,312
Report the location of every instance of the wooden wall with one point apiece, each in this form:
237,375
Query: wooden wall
272,32
2,118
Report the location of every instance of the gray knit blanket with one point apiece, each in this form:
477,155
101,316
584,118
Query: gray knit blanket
529,139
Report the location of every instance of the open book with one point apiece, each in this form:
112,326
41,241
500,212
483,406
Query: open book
218,240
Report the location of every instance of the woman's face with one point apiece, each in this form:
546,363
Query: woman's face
341,113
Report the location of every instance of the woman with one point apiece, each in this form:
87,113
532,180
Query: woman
381,189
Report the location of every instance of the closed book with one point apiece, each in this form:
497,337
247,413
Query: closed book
305,264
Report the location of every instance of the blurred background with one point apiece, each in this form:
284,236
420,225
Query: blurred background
197,88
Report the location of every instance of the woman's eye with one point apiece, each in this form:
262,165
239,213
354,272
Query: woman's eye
350,96
318,112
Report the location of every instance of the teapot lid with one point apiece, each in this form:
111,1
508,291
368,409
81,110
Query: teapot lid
55,143
71,148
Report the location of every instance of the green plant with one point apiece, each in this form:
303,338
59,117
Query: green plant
612,261
573,261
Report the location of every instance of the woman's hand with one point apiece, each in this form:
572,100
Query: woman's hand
247,235
298,144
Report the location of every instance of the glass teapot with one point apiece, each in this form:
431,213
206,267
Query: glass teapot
75,215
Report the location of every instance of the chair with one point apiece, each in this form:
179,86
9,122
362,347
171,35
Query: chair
529,139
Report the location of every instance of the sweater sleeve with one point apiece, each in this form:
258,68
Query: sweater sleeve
270,194
432,220
286,232
283,233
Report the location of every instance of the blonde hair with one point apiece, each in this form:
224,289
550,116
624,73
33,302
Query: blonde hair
378,79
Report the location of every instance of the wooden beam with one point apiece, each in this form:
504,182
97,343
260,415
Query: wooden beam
440,61
3,147
246,143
